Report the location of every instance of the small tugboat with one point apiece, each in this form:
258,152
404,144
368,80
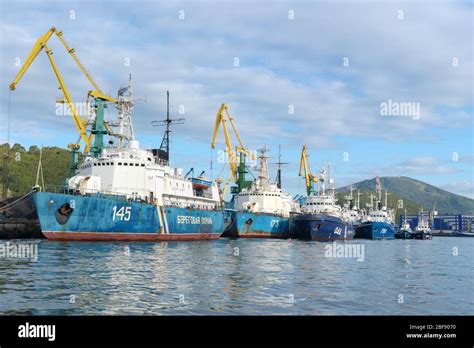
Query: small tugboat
405,232
379,222
321,218
422,229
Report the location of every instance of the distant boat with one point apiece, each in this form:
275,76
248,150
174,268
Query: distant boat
422,230
379,222
351,210
405,232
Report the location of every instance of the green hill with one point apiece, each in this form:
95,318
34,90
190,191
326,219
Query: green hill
419,193
24,163
394,201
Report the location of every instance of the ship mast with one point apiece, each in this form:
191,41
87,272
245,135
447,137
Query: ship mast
322,188
263,176
125,104
165,143
378,189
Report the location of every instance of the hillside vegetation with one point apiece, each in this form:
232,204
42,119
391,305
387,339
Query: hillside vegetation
24,163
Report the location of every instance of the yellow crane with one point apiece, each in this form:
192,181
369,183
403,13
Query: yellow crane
237,154
99,128
310,179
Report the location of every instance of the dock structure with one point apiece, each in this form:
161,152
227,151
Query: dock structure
445,225
19,228
18,218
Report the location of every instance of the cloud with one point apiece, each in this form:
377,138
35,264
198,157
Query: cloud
283,63
194,58
464,188
423,165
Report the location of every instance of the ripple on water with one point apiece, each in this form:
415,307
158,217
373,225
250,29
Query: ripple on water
240,277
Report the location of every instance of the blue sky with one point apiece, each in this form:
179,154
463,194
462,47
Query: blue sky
398,51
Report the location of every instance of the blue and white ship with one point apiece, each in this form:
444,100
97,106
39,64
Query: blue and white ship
379,223
128,193
262,210
321,218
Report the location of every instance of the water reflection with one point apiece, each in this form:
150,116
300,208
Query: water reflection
240,277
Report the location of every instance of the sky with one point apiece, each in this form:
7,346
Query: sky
375,87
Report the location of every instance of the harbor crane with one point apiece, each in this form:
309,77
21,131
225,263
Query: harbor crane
236,155
99,128
310,179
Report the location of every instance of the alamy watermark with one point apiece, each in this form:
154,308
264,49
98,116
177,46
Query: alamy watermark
405,109
345,250
27,251
251,161
82,109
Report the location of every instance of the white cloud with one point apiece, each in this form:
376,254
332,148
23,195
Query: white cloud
464,188
283,62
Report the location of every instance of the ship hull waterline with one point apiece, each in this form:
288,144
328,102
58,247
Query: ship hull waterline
320,227
375,230
258,225
65,217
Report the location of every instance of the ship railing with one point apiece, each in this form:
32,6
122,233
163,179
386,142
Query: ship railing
93,192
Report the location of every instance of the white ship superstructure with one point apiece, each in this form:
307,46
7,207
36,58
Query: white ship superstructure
351,210
423,223
264,196
325,201
125,169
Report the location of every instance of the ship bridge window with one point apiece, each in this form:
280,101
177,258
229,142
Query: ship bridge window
125,164
137,164
143,165
120,163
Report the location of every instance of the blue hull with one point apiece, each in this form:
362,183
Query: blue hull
251,225
75,217
320,227
375,230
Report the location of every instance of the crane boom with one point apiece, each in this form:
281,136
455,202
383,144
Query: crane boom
37,47
236,170
81,124
71,51
308,176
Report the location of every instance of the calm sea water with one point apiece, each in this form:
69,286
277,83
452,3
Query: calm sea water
241,277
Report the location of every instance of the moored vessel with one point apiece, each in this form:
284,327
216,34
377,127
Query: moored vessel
128,193
321,218
379,223
422,229
262,210
405,231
